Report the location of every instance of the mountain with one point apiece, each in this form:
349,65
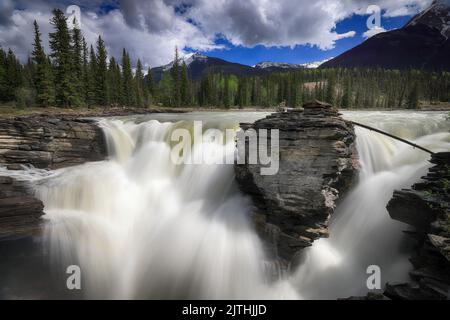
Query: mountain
423,43
199,64
315,64
268,66
283,66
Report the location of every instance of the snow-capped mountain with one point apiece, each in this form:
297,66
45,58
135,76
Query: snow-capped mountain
198,64
273,66
423,43
187,59
315,64
283,66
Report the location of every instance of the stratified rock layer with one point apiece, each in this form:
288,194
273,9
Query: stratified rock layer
317,163
49,142
42,142
19,210
426,207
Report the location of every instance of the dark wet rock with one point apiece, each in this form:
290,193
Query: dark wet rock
317,165
46,142
20,212
426,207
49,142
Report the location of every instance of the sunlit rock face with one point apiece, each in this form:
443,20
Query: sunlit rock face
317,164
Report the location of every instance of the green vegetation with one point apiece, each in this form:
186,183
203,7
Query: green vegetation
75,75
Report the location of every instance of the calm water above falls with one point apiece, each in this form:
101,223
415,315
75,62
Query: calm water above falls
141,227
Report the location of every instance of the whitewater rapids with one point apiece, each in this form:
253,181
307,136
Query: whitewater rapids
142,227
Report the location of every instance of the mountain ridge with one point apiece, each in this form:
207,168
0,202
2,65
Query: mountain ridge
423,43
199,64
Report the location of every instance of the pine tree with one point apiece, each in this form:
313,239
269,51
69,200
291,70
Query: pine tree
100,75
175,73
92,78
150,87
127,80
43,77
85,76
150,82
139,85
3,86
185,87
413,98
114,85
62,54
13,71
346,97
226,93
77,61
331,90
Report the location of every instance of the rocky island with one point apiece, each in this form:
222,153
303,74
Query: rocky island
318,162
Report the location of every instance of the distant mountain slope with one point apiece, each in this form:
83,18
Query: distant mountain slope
423,43
199,64
269,66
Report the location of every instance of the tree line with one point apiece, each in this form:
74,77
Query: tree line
345,88
74,75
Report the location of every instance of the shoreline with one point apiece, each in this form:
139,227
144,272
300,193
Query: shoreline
9,112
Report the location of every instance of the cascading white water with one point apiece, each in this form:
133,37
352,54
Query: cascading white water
142,227
361,232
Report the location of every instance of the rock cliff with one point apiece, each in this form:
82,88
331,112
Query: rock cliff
49,142
317,165
426,207
42,142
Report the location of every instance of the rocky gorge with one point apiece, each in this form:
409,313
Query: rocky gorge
319,163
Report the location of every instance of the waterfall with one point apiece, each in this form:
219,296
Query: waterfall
141,227
361,232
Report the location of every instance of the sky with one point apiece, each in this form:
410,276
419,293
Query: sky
243,31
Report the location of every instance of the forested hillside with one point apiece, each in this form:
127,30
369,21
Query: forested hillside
76,74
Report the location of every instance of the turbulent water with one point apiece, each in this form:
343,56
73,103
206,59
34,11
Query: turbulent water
141,227
361,231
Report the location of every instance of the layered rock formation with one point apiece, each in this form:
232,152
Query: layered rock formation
49,142
42,142
317,164
426,207
19,210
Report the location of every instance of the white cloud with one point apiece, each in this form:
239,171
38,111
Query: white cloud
151,29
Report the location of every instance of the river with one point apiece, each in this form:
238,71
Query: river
140,226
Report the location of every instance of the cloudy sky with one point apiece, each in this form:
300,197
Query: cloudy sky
245,31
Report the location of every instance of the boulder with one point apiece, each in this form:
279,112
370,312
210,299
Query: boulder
317,165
